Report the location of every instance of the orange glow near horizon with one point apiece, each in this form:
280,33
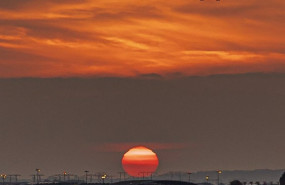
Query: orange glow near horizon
140,161
131,38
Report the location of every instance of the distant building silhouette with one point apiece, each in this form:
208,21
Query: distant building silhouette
282,179
236,182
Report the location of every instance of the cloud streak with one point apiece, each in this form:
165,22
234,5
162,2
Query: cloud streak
123,147
128,38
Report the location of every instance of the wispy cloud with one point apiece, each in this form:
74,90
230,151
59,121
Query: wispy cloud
127,38
123,147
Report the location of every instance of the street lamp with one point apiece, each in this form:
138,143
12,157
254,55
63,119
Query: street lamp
219,172
38,171
189,173
3,176
103,178
207,179
64,175
86,174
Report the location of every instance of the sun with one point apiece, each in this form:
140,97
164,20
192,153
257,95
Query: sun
140,161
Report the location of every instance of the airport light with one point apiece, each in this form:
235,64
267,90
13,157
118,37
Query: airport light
103,178
64,175
219,172
207,179
38,171
3,176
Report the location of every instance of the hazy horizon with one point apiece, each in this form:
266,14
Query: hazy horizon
194,123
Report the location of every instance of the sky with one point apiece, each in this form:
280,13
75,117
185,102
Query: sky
199,82
128,38
228,122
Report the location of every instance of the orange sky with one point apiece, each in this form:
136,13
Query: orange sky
51,38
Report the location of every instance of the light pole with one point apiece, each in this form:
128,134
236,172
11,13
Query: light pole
3,176
10,179
189,173
38,171
124,175
207,179
219,172
86,174
103,178
64,175
16,177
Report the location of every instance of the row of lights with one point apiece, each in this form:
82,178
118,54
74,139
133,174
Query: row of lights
207,177
103,177
3,177
38,175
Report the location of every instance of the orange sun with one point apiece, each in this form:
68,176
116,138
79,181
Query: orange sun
140,161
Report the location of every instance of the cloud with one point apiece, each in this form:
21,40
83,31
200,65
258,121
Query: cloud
123,147
31,4
127,38
150,76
